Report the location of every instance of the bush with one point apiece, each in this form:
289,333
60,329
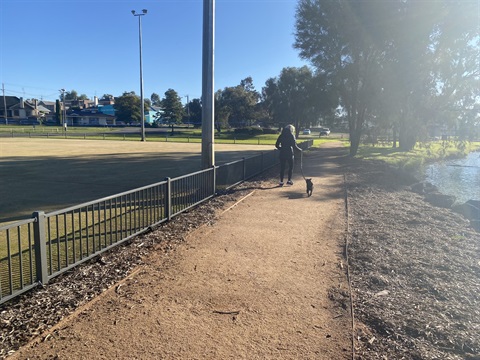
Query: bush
252,131
270,131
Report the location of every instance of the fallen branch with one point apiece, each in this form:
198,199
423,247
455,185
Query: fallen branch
226,312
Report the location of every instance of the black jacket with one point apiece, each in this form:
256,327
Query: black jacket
286,143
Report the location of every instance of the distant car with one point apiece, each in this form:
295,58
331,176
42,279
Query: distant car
324,131
306,132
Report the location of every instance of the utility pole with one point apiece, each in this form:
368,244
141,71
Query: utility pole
208,146
64,112
188,111
4,104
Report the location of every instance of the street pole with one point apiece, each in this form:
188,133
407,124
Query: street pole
188,112
4,104
64,112
208,148
142,105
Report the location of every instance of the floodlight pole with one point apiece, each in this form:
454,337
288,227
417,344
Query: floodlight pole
64,110
142,105
208,101
4,104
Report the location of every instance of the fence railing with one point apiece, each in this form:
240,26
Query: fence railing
35,250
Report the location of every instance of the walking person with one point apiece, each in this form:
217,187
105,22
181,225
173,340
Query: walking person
286,143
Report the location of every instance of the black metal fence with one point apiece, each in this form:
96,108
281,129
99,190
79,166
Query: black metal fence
35,250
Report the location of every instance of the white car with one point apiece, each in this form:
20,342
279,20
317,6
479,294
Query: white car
324,131
306,132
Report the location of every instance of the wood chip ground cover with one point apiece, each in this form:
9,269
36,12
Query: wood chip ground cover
415,272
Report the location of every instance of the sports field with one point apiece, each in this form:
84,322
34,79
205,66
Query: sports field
51,174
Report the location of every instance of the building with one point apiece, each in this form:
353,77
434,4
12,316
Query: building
18,111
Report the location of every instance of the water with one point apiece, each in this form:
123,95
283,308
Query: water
460,177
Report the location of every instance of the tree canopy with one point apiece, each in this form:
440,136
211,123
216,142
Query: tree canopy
193,111
73,95
172,108
401,63
298,97
237,105
156,100
127,108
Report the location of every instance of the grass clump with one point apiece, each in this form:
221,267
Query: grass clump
423,153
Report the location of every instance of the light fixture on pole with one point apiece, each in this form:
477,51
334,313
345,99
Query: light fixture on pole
142,105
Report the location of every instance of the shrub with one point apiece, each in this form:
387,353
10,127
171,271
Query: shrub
252,131
270,131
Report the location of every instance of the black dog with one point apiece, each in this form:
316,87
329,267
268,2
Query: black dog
309,186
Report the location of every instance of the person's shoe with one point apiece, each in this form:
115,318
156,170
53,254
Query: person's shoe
290,182
280,183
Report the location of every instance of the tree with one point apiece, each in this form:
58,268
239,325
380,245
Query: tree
394,59
297,97
456,68
348,55
194,111
71,95
172,108
237,106
127,108
155,98
58,112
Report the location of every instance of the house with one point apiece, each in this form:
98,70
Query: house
19,111
109,100
152,114
89,117
50,105
106,109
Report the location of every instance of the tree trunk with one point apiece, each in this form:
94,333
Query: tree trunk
406,137
354,143
394,131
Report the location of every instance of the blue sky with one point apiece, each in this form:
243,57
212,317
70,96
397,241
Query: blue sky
91,46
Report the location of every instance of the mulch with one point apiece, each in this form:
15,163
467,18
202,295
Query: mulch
415,272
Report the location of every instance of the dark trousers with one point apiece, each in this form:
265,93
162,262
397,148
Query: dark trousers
283,162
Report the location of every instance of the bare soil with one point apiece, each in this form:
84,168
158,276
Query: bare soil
264,272
51,174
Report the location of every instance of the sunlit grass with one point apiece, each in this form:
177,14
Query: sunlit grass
423,153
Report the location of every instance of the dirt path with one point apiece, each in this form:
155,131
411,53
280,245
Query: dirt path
265,281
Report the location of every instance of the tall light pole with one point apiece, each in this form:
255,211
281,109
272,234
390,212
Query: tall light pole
64,113
208,146
4,104
142,106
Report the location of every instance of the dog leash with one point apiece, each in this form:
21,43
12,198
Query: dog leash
301,164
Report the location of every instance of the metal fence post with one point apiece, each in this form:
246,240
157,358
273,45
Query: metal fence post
40,244
262,162
214,176
168,199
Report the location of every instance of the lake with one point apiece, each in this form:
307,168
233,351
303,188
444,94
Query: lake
459,177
